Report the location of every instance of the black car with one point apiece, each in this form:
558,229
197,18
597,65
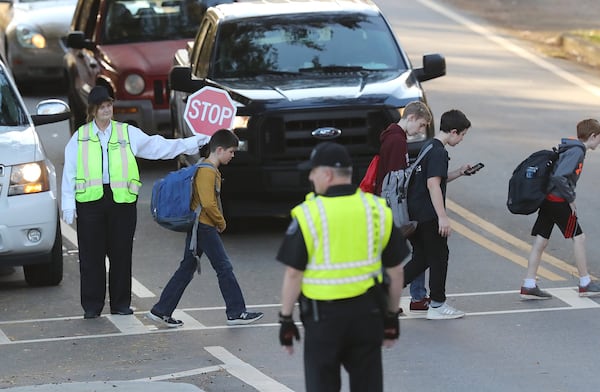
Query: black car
299,75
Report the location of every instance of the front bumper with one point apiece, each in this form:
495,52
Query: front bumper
21,214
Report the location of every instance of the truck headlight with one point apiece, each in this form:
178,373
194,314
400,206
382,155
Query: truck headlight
28,178
134,84
241,122
29,37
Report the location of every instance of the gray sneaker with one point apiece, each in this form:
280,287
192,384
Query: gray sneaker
534,293
244,318
591,290
444,312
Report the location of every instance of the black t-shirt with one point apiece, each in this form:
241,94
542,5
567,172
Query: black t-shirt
293,251
434,164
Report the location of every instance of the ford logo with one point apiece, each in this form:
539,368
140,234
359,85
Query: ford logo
326,133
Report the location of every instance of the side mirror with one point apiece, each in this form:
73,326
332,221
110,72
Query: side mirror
434,66
77,40
51,111
180,79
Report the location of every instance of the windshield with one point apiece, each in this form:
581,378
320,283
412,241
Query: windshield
11,112
140,20
305,43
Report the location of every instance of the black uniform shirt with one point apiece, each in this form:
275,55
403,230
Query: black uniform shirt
433,164
293,251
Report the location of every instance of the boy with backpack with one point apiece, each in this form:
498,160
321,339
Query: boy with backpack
393,155
559,209
426,205
207,189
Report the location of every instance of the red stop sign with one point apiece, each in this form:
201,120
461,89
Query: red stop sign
208,110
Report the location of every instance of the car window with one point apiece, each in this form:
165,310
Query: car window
11,112
139,20
299,43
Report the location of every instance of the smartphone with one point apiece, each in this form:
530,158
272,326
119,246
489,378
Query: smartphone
474,169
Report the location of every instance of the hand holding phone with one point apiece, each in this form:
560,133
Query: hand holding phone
474,169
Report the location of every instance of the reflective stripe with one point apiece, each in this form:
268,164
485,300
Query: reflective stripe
326,264
312,229
123,150
88,183
339,281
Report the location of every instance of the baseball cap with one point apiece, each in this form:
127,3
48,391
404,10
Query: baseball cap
98,95
327,154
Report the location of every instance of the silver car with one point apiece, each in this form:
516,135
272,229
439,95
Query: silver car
29,224
30,33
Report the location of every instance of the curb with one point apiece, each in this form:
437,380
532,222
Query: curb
583,50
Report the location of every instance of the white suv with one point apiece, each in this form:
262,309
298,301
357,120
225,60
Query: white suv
29,223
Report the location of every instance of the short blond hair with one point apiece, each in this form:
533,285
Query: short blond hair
419,110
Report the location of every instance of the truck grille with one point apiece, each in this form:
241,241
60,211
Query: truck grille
287,136
161,93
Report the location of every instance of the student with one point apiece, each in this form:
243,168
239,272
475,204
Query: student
393,155
559,209
100,187
334,263
222,145
426,204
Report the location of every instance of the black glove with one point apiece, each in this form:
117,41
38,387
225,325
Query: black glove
287,331
391,326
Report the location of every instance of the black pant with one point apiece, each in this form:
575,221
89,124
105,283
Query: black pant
348,333
105,228
430,250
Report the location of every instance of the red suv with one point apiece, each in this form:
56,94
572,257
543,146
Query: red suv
128,46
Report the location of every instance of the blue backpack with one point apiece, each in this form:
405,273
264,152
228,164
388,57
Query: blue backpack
171,199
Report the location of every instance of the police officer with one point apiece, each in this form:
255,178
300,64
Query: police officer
334,250
100,188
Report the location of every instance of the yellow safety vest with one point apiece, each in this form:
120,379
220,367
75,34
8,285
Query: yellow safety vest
344,237
122,166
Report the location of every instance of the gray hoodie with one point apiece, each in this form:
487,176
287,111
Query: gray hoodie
568,169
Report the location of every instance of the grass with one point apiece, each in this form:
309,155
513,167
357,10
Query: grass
590,35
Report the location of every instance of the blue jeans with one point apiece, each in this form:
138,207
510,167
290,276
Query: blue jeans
417,288
209,242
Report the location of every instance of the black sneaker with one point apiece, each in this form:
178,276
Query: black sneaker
244,318
534,293
169,321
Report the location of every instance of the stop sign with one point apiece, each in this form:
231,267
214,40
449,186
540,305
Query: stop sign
208,110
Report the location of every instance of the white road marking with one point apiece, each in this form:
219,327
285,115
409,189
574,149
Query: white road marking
234,366
245,372
188,321
138,289
128,325
186,373
506,44
3,338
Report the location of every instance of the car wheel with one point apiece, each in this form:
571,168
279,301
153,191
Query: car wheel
49,273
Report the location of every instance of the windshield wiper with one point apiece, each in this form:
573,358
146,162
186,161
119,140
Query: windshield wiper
335,68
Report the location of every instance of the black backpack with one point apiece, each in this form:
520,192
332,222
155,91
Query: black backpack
528,185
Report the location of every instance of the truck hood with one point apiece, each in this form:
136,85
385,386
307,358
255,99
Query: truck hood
149,58
19,145
326,87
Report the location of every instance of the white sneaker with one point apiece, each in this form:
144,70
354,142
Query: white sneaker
444,312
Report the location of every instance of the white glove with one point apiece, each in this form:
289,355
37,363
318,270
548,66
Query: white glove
202,140
69,216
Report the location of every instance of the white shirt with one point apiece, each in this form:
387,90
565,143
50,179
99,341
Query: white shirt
142,146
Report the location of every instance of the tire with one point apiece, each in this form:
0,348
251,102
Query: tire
49,273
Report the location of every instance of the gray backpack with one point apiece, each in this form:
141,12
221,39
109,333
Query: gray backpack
395,192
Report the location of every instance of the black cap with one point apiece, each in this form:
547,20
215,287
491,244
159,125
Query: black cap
98,95
327,154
